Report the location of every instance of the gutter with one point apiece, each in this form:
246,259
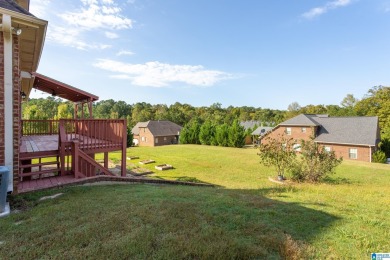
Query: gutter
8,98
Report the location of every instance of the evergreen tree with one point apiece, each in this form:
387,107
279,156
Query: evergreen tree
207,133
222,135
236,135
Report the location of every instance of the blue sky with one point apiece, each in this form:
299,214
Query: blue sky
243,53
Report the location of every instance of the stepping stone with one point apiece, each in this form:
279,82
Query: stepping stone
147,161
163,167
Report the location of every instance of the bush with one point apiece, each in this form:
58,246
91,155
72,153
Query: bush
379,157
316,162
297,173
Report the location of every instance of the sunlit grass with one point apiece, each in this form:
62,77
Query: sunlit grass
246,216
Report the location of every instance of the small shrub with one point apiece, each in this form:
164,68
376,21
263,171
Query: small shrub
379,157
297,173
317,163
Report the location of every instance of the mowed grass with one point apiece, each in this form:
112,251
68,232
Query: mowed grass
246,216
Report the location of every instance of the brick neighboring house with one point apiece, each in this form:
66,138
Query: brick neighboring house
250,125
259,132
353,138
156,133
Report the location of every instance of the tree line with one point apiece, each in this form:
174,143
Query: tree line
375,103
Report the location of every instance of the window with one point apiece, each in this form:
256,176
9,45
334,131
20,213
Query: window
303,129
297,147
156,141
165,138
288,130
327,149
143,138
353,153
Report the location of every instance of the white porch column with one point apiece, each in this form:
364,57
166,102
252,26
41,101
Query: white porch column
8,98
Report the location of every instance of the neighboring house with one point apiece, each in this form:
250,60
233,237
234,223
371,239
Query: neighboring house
250,125
354,138
259,132
156,133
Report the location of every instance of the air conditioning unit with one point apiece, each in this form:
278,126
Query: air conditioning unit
4,205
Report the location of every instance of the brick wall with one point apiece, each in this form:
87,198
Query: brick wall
165,140
145,137
16,112
2,148
297,133
363,152
16,108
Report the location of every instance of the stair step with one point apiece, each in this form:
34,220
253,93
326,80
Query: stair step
25,174
38,164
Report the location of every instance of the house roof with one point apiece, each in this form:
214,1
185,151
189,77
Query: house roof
250,124
302,120
13,6
31,40
262,130
135,129
158,128
62,90
348,130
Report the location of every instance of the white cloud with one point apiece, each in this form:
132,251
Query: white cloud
111,35
98,15
122,53
157,74
71,37
79,28
317,11
39,9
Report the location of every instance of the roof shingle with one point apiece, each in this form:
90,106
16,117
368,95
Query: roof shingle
158,128
348,130
12,6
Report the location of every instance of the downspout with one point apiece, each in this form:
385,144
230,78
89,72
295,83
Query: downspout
8,98
370,154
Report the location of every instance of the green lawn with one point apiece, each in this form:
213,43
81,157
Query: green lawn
246,216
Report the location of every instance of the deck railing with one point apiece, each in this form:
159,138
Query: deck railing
40,127
92,136
95,134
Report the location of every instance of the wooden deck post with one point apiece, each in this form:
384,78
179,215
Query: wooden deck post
75,158
106,160
124,146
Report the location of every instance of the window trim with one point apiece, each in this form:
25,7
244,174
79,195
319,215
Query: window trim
351,152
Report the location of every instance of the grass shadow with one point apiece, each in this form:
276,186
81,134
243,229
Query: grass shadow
336,180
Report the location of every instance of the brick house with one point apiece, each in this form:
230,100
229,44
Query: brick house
156,133
353,138
250,125
21,43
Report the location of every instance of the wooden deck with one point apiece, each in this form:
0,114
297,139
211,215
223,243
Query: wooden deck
39,143
54,153
46,183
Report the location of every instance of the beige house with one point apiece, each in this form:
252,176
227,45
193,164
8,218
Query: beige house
156,133
353,138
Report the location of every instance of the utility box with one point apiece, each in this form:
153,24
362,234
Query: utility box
4,175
